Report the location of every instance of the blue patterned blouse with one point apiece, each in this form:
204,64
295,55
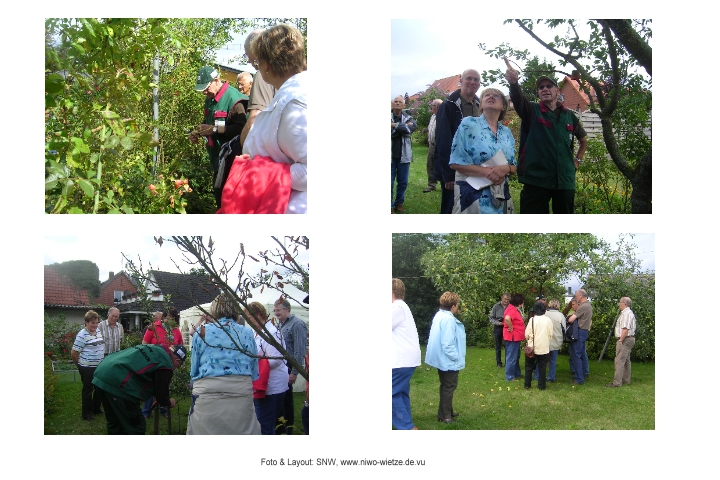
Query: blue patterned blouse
217,355
474,144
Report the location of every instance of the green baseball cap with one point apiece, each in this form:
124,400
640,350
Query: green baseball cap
540,79
205,76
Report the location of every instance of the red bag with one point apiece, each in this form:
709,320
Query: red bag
257,185
260,385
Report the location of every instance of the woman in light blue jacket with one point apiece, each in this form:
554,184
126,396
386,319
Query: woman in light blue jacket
446,352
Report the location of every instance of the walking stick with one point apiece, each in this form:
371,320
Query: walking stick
608,338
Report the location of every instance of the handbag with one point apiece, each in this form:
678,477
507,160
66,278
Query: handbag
260,385
530,351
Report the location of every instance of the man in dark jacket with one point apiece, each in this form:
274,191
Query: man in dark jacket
130,376
458,105
546,165
224,116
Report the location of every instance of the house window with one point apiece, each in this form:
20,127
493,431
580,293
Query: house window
117,295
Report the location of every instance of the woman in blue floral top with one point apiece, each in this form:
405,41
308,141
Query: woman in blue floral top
224,364
476,141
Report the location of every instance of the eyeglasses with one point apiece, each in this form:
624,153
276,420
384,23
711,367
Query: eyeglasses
492,95
546,86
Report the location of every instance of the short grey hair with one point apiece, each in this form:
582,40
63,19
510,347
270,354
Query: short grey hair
627,301
283,302
582,293
252,36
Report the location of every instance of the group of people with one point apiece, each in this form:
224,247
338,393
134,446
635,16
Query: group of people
471,153
256,135
241,383
543,331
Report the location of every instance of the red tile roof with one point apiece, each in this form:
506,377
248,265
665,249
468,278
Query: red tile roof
574,94
60,291
447,84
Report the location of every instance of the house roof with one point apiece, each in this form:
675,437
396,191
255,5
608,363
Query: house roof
186,290
576,86
447,84
121,282
60,291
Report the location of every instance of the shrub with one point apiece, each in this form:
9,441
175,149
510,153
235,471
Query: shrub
49,386
59,337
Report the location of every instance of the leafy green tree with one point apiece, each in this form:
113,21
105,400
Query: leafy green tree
480,267
420,109
620,275
532,70
84,273
421,294
100,145
607,60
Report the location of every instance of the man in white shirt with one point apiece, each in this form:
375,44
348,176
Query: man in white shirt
625,334
430,167
112,331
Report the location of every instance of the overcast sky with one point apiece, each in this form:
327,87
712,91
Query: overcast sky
106,253
644,252
423,51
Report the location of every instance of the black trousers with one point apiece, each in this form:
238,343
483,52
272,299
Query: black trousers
448,384
535,199
541,361
288,414
448,199
90,398
124,417
498,335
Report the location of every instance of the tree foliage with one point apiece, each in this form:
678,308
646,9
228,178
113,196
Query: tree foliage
620,275
480,267
84,274
421,294
606,60
534,68
100,141
420,110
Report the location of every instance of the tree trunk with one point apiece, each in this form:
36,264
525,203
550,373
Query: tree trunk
642,186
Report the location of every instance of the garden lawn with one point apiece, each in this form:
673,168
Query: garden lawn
486,401
589,197
65,418
418,202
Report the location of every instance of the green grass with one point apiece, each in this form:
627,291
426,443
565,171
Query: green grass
418,202
65,417
486,401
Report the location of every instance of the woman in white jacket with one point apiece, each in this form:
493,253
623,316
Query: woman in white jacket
280,131
406,356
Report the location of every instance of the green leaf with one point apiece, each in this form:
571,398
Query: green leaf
86,187
77,48
127,209
76,210
126,143
109,114
54,83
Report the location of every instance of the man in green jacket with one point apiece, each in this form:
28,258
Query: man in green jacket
128,377
546,165
224,115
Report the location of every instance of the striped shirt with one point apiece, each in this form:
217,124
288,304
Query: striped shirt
113,336
626,320
91,348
